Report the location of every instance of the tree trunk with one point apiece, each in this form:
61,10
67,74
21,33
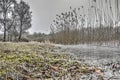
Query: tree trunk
4,37
20,33
5,30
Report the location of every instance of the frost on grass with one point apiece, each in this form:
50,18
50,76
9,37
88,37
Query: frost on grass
32,61
104,59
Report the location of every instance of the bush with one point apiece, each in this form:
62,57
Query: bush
24,40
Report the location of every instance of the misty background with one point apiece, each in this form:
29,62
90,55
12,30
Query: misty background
63,21
44,12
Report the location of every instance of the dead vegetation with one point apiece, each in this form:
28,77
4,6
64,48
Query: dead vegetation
35,61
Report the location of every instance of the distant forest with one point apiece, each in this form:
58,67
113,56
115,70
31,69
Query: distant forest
97,22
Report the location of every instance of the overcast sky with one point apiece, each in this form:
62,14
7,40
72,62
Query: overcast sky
44,12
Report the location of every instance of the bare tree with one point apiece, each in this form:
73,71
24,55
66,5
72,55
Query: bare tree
24,16
99,22
13,31
5,17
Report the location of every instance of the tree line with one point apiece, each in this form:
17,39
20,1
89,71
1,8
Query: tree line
39,37
15,19
98,21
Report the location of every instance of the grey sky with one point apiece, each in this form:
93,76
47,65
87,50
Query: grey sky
44,12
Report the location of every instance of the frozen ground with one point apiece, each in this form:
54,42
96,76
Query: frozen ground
106,58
